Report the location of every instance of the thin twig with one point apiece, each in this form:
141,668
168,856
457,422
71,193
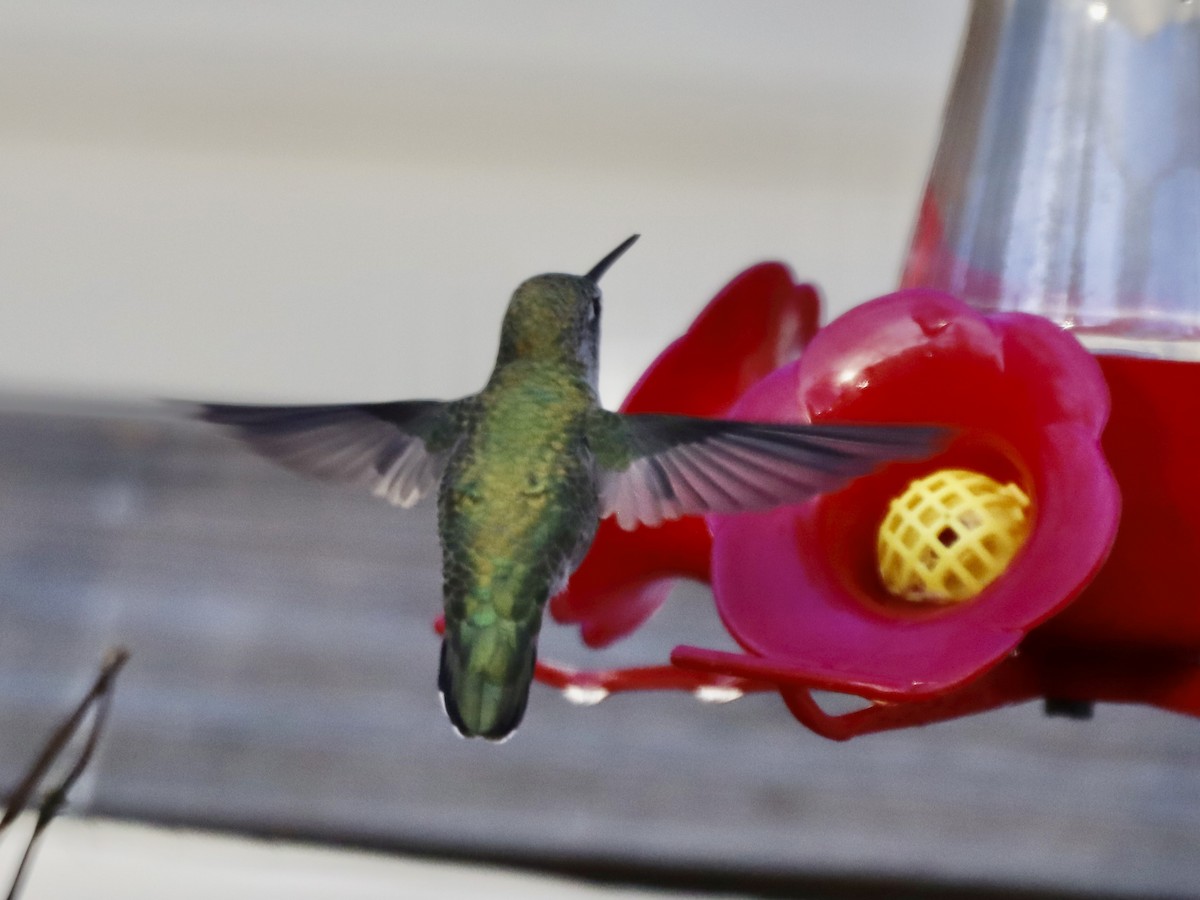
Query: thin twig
100,698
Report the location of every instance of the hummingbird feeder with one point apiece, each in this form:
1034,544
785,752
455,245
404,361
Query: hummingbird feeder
1050,311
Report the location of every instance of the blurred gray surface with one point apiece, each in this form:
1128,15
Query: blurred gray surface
283,681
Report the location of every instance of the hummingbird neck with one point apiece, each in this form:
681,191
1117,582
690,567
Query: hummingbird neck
575,362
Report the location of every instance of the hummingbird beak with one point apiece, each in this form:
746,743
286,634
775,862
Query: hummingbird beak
601,267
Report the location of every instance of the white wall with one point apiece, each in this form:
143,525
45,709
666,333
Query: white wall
293,199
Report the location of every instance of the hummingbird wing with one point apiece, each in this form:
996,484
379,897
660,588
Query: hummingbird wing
397,450
656,467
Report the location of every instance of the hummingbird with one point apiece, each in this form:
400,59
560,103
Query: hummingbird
525,470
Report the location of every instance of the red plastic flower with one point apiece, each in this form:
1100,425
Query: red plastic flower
757,323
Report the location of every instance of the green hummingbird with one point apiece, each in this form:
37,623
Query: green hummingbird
526,468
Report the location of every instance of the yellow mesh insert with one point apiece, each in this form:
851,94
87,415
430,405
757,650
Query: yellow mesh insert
950,535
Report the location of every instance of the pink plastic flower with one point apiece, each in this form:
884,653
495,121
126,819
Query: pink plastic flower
797,587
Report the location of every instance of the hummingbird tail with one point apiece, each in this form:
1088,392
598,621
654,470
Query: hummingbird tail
480,701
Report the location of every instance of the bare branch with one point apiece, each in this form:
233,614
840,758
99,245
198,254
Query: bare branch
98,698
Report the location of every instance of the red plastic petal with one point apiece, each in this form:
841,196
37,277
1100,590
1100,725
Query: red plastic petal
757,323
627,576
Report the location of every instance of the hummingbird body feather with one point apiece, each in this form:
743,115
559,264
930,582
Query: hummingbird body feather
517,510
526,468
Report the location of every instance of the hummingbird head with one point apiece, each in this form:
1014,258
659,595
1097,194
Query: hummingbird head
556,318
